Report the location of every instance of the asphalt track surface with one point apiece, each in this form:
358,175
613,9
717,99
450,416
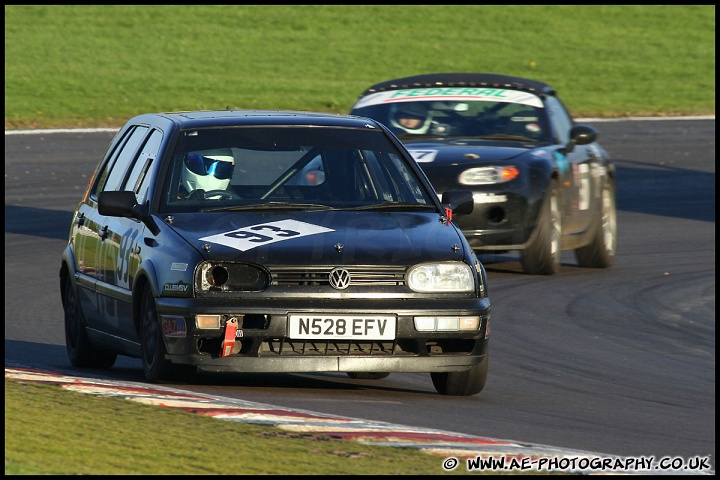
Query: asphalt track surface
619,361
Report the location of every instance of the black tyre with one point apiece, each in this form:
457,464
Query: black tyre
79,350
467,382
367,375
155,366
600,252
542,255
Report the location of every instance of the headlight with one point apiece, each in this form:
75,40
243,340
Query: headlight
230,277
488,175
441,278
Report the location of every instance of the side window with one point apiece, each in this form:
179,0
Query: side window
404,181
137,181
104,171
118,167
381,188
561,121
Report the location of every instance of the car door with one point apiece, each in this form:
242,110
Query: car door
106,317
123,245
87,237
578,189
122,256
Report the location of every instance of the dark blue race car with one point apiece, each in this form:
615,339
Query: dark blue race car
541,184
255,241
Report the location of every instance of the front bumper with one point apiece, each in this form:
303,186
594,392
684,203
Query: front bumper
262,343
498,222
331,363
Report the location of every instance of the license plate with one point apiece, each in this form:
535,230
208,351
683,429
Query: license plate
341,327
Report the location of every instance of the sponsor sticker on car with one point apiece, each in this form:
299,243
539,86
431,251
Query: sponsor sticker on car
451,93
174,326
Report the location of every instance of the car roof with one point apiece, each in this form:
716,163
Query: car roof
462,80
229,117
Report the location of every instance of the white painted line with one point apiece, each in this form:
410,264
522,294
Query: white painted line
60,130
592,120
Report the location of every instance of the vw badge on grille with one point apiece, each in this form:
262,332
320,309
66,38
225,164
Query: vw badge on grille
339,278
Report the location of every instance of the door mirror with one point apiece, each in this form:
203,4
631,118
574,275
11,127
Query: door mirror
459,201
119,204
583,134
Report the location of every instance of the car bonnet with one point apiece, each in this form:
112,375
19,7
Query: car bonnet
322,237
454,151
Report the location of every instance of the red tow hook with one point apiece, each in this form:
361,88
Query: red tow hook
229,340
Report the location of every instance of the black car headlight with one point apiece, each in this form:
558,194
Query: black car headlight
441,277
488,175
231,277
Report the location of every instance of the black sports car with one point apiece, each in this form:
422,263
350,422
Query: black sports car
256,241
541,183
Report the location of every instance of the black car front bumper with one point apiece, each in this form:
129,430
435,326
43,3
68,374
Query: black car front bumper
262,343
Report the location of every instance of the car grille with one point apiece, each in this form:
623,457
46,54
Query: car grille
295,347
400,347
274,347
279,346
359,276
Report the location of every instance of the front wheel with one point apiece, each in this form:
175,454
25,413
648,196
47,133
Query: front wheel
79,350
542,255
600,252
155,366
467,382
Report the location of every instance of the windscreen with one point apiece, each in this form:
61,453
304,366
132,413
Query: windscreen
289,166
489,113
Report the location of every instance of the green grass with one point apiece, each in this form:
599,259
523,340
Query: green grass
98,65
53,431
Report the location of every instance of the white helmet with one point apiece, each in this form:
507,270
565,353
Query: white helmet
208,169
410,117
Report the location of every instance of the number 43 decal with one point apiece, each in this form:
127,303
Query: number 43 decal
253,236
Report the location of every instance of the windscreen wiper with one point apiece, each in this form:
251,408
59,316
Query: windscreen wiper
504,136
269,206
396,206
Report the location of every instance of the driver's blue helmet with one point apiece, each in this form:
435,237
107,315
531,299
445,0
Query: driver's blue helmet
208,169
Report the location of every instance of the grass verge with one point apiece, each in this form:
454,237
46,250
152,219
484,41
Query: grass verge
52,431
99,65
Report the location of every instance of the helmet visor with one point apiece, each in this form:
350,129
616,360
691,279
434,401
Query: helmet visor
200,165
411,116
